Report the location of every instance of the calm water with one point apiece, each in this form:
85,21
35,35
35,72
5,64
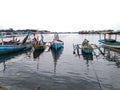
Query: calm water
67,71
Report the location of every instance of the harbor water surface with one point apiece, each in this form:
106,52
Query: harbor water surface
62,70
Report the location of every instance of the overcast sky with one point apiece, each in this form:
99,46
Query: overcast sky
60,15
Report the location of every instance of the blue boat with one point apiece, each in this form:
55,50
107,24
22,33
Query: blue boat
109,41
86,47
4,49
15,47
56,43
87,50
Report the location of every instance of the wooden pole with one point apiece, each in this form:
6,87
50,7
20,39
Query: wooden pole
104,36
116,37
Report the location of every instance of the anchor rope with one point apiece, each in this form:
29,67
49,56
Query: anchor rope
97,77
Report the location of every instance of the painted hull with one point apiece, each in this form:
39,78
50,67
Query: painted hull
15,46
57,44
110,44
87,50
38,46
9,48
5,49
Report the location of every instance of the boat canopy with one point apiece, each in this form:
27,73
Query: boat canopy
109,36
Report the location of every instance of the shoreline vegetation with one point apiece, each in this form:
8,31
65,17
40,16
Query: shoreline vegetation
26,31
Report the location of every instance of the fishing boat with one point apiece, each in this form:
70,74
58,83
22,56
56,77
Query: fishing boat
14,47
38,44
56,43
86,47
110,40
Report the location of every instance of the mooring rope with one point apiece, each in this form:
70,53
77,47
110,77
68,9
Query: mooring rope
97,77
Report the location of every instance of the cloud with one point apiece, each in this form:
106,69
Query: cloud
59,15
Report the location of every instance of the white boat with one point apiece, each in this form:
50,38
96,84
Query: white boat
110,41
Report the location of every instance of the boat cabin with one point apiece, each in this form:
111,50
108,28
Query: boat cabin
109,36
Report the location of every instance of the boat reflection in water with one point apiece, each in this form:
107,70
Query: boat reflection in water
5,58
36,56
112,55
37,53
56,55
87,56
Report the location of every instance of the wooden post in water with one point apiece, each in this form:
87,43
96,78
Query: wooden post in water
73,49
78,50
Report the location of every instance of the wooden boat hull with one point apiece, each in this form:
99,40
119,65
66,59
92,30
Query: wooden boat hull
38,46
5,49
15,47
57,44
110,44
10,48
87,50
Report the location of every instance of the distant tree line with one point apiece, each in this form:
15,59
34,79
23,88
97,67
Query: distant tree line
24,30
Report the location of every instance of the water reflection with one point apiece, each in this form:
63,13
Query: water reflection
73,73
112,55
88,57
36,56
37,53
56,55
4,58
